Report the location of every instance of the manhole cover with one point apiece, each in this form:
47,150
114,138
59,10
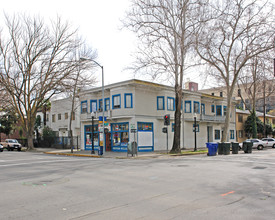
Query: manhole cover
259,168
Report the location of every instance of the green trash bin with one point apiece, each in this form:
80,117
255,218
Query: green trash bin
235,148
247,147
224,148
220,148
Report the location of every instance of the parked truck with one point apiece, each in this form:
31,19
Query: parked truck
11,144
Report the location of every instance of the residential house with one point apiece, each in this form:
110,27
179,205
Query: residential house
245,91
241,117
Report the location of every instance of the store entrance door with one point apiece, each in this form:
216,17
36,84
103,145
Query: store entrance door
108,141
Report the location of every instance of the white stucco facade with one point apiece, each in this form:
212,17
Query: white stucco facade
141,105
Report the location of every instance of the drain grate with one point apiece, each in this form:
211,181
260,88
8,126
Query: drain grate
258,168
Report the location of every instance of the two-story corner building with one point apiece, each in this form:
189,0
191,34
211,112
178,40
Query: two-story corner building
140,105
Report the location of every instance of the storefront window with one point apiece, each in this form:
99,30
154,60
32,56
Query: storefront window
145,126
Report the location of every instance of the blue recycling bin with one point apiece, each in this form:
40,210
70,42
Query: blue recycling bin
100,150
212,149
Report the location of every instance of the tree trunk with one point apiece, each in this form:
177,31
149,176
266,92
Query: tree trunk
177,124
254,124
30,141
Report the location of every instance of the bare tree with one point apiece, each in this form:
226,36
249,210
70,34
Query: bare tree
36,62
230,33
256,84
164,28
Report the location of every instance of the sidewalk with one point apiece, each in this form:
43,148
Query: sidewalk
111,154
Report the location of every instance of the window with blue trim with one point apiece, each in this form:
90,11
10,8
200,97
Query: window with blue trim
187,106
196,107
145,126
160,103
170,103
203,108
84,107
224,110
93,105
128,100
232,134
116,100
213,108
107,104
100,108
217,134
219,110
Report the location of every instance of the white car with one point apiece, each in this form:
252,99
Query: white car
257,143
1,148
270,142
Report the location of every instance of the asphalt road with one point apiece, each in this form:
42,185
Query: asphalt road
39,186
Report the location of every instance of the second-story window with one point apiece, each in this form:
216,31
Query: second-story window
100,107
160,103
59,117
116,101
128,100
107,104
224,110
53,118
66,115
213,108
219,110
93,105
240,118
170,103
197,107
203,108
187,106
84,107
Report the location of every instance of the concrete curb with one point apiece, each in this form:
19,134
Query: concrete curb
123,157
73,155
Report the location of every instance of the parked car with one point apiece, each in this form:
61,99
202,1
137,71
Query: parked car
11,144
1,148
257,143
270,142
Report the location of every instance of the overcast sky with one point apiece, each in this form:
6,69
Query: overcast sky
98,22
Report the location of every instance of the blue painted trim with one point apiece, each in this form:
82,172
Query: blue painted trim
151,148
99,106
119,148
224,110
125,104
82,106
196,102
190,108
173,99
212,108
218,107
85,139
215,134
105,104
232,134
163,103
117,95
91,105
203,108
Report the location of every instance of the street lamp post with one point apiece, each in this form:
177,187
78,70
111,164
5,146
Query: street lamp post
195,130
93,146
103,120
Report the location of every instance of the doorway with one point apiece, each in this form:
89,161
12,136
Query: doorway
209,134
108,141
